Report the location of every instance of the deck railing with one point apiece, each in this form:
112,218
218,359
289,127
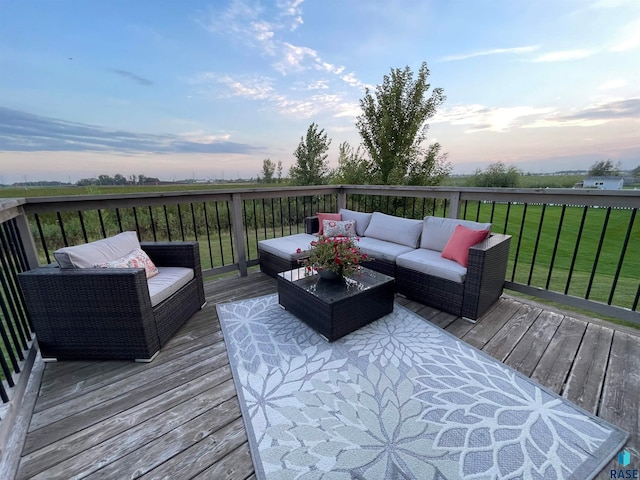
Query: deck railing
575,247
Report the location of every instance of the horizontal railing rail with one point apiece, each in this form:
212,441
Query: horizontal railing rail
575,247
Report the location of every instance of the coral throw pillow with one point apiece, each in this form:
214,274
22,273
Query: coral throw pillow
327,216
135,259
457,248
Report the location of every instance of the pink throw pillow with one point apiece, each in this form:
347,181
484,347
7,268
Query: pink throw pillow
327,216
135,259
457,248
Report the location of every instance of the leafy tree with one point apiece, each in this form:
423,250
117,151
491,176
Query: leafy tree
636,171
268,169
119,179
311,167
431,170
279,170
353,167
604,169
496,175
393,127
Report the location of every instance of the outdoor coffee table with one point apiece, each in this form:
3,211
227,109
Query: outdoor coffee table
335,308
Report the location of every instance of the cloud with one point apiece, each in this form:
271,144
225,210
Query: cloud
293,58
478,118
629,38
266,29
565,55
132,76
261,88
21,131
495,51
290,9
252,87
613,84
618,109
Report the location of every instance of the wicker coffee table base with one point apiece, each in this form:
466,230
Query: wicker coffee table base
336,319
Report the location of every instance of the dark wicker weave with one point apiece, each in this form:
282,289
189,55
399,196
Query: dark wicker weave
482,287
106,313
383,266
272,264
334,315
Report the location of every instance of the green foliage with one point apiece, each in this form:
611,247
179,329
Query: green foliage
393,127
341,255
279,170
353,166
311,167
118,179
604,169
636,171
525,181
496,175
268,169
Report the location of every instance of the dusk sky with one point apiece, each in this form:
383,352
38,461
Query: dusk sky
208,90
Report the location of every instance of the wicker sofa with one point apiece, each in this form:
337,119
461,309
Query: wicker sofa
410,251
81,312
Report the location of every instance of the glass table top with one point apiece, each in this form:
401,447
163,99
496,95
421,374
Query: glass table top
335,290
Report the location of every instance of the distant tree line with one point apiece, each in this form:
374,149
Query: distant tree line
118,179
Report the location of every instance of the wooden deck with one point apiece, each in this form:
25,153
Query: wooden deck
179,417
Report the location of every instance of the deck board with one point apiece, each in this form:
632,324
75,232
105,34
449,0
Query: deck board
555,364
179,417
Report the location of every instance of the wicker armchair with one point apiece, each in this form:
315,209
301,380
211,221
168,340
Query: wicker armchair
106,313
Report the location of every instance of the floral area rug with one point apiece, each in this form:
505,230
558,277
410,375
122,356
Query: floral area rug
397,399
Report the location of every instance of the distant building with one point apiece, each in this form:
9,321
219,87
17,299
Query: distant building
603,183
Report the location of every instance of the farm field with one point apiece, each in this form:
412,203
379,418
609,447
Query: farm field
15,192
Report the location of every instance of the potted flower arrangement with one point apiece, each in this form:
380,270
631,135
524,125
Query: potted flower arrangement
334,257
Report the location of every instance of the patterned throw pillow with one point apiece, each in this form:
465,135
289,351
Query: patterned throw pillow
335,228
326,216
135,259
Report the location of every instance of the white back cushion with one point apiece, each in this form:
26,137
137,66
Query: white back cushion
362,219
100,251
403,231
436,231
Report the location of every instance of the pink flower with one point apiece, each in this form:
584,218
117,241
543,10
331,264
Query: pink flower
298,250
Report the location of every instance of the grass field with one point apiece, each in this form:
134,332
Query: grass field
15,192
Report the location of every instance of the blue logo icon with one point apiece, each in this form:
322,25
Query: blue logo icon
624,458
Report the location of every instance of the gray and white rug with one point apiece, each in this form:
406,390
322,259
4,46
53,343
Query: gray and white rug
397,399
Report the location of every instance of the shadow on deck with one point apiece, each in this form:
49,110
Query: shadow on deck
178,417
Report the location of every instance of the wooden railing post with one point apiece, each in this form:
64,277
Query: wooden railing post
11,209
238,232
454,204
342,198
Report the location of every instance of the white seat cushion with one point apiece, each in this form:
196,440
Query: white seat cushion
381,249
167,282
431,263
286,247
